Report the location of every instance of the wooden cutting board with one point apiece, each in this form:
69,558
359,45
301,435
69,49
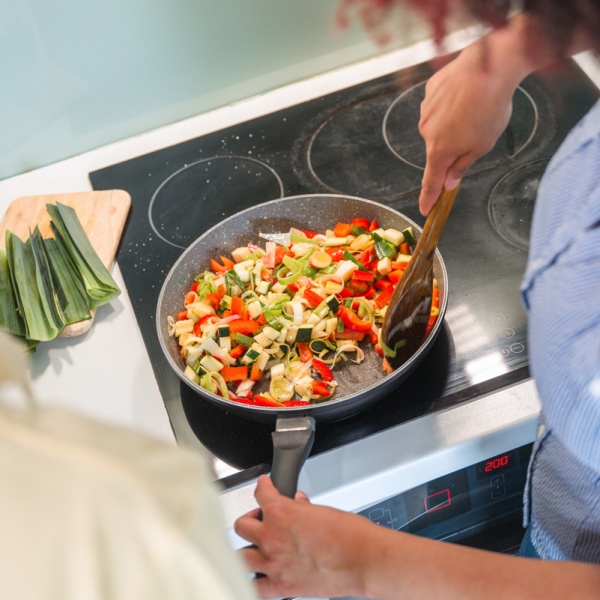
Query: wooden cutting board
102,215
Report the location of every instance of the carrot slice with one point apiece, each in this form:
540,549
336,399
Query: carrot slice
342,229
237,306
234,373
245,326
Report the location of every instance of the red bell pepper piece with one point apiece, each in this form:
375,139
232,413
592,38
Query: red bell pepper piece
221,268
352,321
306,354
430,324
312,298
237,351
358,288
322,369
383,283
367,256
359,275
394,276
336,253
237,306
320,388
198,325
349,334
264,401
296,403
384,297
362,223
280,252
213,299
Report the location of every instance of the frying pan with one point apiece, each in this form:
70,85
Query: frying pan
359,386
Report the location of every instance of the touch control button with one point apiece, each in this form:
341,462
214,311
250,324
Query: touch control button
498,487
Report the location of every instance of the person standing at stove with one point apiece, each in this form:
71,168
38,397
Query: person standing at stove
318,551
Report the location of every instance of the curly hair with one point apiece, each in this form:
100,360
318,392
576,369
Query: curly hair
557,20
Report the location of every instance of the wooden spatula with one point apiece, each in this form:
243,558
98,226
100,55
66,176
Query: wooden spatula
407,315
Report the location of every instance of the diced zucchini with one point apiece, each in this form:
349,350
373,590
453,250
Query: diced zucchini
313,318
304,333
345,269
211,364
332,303
250,356
271,332
199,369
384,266
225,343
241,254
278,287
185,326
262,287
223,330
331,325
409,236
394,236
264,340
191,374
254,309
403,258
200,309
262,360
277,370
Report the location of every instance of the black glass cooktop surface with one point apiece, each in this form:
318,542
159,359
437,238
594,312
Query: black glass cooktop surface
361,141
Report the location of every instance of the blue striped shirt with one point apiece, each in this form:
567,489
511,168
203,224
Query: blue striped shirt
561,291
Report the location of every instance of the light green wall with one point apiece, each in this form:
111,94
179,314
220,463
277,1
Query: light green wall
78,74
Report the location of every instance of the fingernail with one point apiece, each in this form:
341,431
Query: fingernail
451,183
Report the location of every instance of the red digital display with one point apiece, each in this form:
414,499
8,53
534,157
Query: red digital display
495,464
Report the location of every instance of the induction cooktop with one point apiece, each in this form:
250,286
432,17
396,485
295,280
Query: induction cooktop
360,141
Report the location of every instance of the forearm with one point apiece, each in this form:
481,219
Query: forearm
420,569
522,47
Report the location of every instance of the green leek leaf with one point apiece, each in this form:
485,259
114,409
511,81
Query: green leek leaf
99,285
22,265
67,283
10,318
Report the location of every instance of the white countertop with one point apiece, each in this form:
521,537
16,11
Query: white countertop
106,373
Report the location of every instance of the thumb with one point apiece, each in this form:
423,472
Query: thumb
457,170
302,497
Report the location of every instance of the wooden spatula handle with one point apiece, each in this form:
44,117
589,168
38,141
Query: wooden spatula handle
435,222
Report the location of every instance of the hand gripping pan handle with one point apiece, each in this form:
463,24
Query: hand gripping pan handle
292,442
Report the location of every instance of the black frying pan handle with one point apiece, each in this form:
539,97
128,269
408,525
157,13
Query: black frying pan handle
292,442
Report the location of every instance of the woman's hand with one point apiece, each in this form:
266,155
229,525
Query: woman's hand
304,549
467,106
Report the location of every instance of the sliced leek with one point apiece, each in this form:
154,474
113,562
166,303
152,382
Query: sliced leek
10,317
99,285
39,324
47,284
